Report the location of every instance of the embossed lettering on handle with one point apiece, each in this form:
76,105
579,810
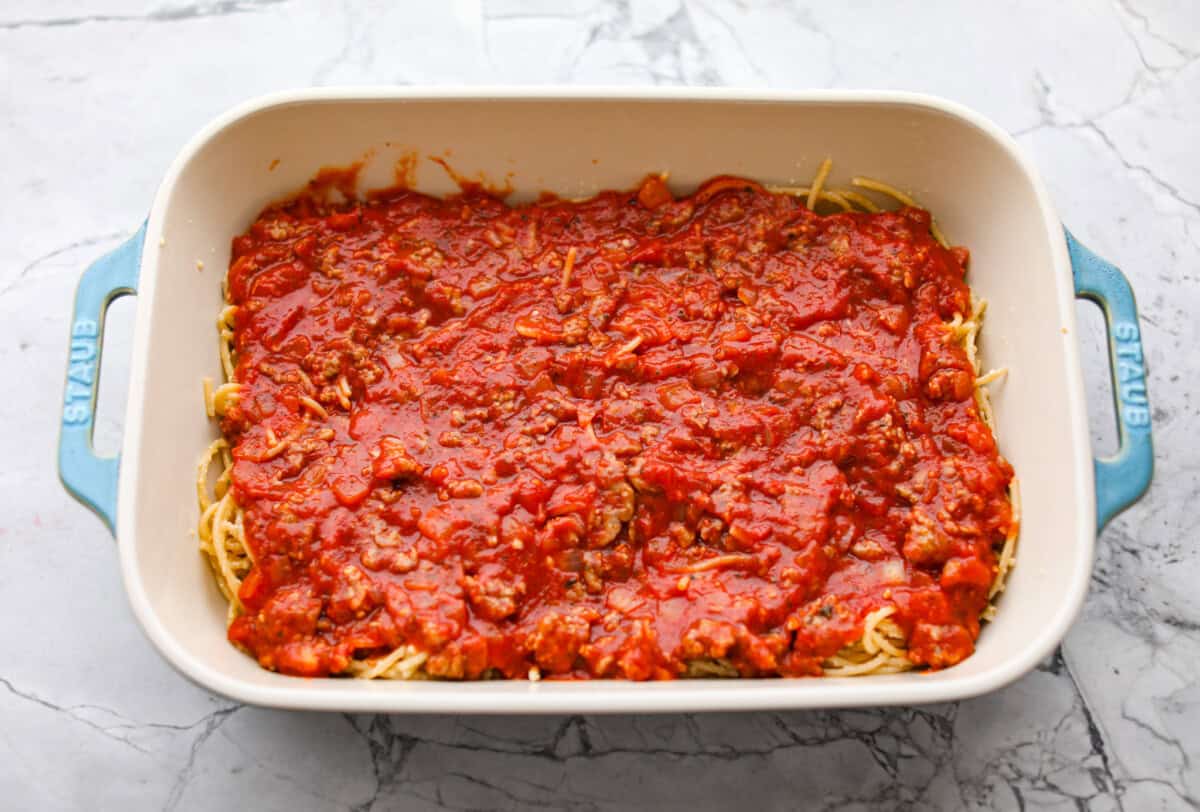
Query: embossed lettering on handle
1131,375
81,374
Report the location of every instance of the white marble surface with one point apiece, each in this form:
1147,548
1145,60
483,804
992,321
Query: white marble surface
95,99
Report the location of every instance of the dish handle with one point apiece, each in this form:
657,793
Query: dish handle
1123,477
89,478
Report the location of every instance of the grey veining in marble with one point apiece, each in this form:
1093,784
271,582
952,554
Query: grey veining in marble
97,96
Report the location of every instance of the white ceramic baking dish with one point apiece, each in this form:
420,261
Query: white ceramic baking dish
984,191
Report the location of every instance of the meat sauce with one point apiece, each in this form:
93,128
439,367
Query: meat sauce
605,438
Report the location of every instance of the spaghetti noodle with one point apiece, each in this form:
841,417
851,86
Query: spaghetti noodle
879,637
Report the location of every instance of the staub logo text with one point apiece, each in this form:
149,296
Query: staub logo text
1131,375
81,374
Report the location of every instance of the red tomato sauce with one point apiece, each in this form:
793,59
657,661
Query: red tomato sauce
605,438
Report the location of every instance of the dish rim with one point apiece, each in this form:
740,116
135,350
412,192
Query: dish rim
599,696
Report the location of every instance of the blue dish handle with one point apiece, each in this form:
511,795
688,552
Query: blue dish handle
92,479
1123,477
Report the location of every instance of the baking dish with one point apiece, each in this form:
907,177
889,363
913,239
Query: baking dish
986,196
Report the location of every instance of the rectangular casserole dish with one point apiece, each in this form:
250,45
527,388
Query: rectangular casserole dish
985,194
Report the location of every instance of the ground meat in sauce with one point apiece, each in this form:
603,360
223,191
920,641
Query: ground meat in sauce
605,438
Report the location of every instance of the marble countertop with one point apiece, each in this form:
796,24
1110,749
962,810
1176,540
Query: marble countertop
95,99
